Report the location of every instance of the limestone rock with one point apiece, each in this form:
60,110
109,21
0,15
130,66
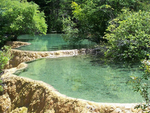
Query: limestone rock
5,103
39,97
20,110
16,44
24,95
26,56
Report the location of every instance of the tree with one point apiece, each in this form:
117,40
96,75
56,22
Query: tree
54,10
129,36
91,18
51,9
20,17
88,19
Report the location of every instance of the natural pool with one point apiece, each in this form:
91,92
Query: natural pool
50,42
80,77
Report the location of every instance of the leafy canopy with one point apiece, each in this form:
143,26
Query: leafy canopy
91,18
88,20
129,36
20,17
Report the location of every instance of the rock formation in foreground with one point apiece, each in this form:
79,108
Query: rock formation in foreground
23,95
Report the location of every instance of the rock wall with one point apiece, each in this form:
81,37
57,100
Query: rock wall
19,56
25,56
24,94
16,44
38,97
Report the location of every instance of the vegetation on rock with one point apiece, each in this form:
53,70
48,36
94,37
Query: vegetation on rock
5,55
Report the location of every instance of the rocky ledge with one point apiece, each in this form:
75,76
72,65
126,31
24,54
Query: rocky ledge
23,95
26,56
16,44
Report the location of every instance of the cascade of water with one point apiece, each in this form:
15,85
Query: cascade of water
63,53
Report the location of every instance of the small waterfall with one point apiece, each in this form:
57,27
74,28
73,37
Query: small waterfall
63,53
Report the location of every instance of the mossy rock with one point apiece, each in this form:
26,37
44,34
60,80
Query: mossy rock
20,110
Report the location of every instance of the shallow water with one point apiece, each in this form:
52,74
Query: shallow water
79,77
50,42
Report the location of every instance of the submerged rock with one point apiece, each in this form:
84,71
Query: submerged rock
16,44
37,96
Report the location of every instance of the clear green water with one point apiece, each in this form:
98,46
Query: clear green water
50,42
79,77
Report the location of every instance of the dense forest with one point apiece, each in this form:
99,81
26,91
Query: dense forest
85,19
79,19
101,21
54,11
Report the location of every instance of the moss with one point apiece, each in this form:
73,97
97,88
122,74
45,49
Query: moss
1,88
20,110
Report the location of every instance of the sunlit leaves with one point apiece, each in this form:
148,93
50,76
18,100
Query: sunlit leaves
92,16
21,17
72,32
141,84
5,56
129,35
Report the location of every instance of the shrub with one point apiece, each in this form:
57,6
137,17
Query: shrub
90,17
129,36
20,17
141,85
5,55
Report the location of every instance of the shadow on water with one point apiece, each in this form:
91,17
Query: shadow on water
50,42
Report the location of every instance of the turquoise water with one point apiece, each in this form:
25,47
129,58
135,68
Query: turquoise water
80,77
50,42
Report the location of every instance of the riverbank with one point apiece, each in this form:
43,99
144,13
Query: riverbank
22,93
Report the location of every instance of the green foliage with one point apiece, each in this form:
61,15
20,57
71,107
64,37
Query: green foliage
129,36
141,85
54,9
20,17
92,17
5,55
72,33
143,5
1,87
